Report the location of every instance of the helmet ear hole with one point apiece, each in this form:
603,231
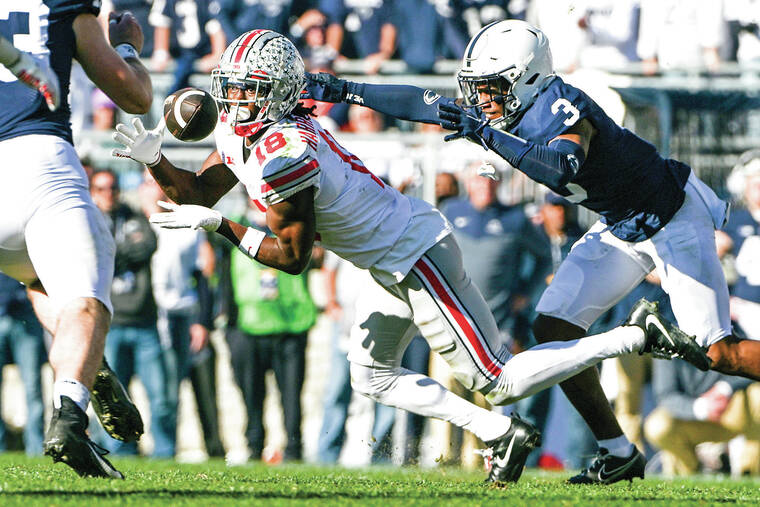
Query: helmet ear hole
532,79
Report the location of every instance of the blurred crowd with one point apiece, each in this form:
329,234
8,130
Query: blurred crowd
172,290
646,37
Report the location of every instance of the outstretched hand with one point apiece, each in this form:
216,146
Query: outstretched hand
324,87
187,216
141,145
465,122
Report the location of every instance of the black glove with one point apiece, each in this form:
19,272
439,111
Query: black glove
466,122
324,87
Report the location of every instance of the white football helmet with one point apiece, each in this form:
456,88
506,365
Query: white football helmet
510,59
268,68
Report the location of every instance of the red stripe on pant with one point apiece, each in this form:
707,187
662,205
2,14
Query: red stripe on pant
439,287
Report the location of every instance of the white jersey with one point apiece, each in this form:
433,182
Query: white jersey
358,217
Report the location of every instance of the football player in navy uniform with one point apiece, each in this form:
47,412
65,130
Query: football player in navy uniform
655,212
52,237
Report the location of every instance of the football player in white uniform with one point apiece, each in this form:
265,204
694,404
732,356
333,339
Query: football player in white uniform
312,189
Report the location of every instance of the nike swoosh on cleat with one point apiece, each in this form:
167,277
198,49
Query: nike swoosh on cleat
502,462
603,476
651,319
101,461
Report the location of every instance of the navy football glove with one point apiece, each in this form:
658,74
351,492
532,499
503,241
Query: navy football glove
324,87
466,123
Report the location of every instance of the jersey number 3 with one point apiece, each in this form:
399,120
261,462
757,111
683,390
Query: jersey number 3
566,107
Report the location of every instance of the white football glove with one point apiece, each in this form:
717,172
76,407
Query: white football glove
187,216
141,145
39,76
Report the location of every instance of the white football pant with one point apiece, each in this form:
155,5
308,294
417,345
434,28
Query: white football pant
601,269
49,227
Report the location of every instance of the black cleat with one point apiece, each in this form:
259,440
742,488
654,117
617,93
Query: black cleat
67,441
607,468
663,339
511,450
117,413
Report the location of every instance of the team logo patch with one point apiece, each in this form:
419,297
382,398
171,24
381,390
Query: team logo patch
430,96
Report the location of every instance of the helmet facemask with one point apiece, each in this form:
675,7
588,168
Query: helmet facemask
498,88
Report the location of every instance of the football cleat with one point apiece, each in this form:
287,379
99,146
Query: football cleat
607,468
510,451
114,408
67,441
663,339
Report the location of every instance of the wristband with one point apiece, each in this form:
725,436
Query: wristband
127,50
251,241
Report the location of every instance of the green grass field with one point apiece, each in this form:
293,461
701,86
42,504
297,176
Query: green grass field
27,481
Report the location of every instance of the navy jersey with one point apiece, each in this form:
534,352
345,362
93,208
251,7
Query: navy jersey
624,179
44,28
745,232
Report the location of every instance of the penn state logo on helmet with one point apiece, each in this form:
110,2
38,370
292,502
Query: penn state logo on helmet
267,68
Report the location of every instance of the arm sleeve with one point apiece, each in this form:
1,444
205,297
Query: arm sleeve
400,101
553,165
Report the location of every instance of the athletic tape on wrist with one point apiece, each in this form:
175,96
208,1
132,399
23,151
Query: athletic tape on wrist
251,241
127,50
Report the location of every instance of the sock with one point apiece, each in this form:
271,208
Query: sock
74,389
619,446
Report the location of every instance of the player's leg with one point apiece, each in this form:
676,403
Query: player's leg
382,331
688,264
582,290
71,252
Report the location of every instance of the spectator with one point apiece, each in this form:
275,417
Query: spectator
508,261
200,37
743,231
103,111
676,35
371,33
21,343
695,407
446,187
421,38
743,18
132,344
270,317
180,269
612,29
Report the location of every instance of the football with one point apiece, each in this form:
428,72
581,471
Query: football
190,114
